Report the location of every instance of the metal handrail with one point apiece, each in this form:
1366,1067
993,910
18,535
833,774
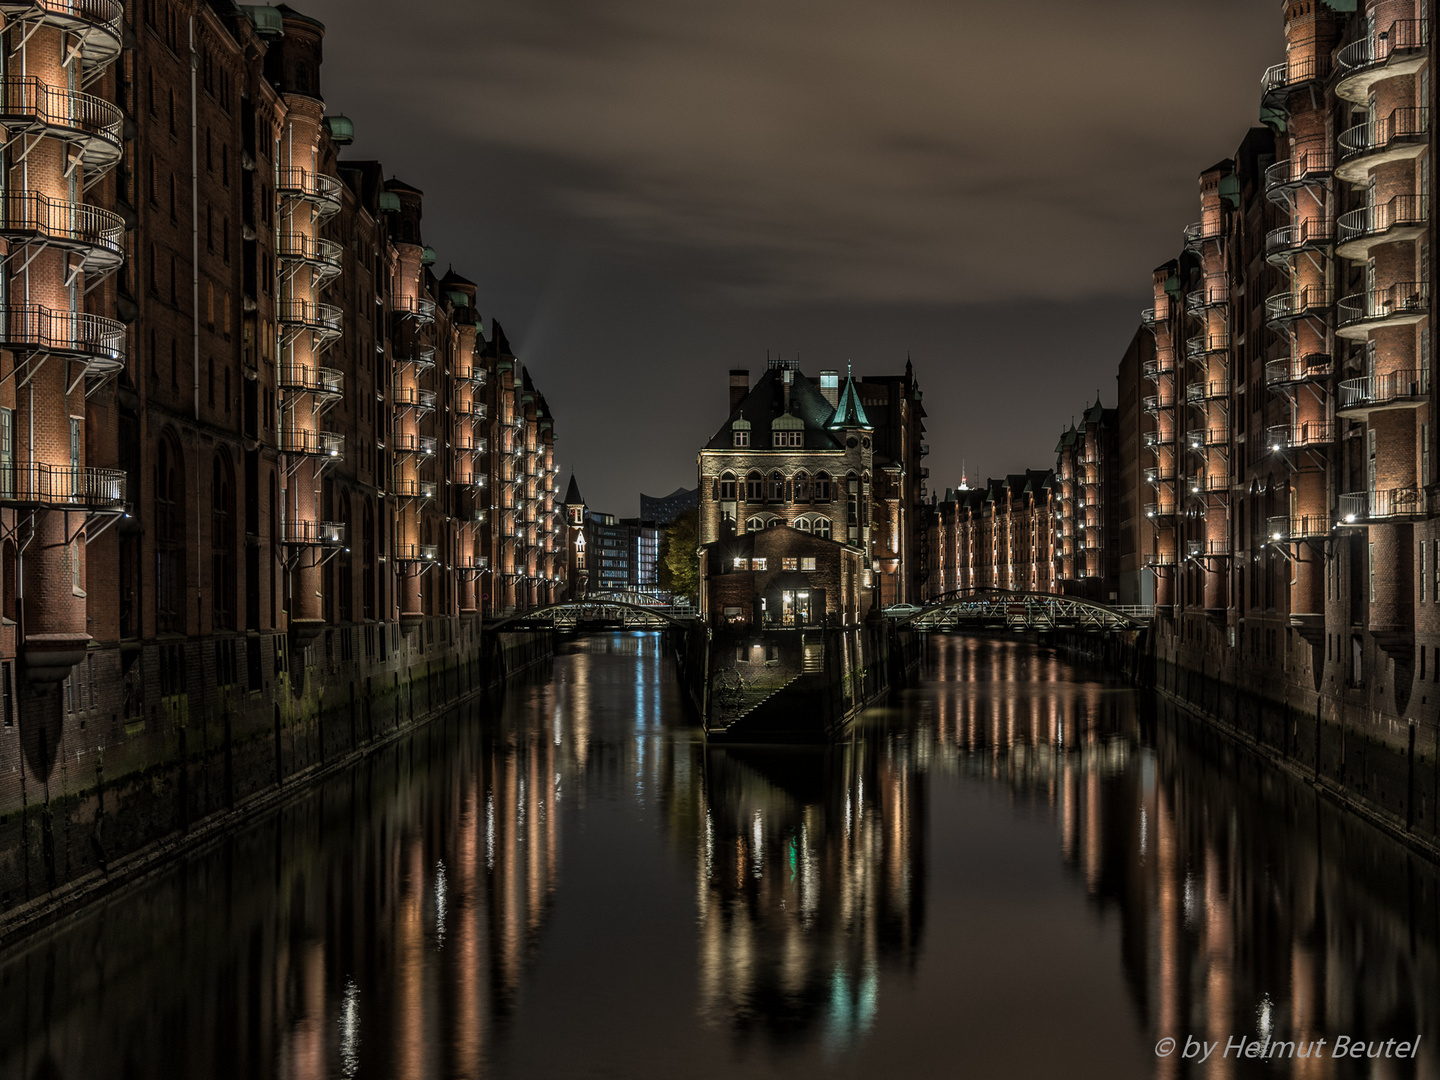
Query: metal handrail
62,221
1207,437
472,445
1297,527
1196,233
1378,505
1411,121
473,479
314,533
1291,237
72,110
414,397
416,552
416,489
1295,302
1201,344
477,410
316,380
1300,435
1293,71
1199,300
37,484
1159,438
321,318
415,444
36,328
1156,402
314,443
1295,369
312,186
1369,220
1404,35
1383,389
309,249
1304,163
1400,298
1159,509
1159,558
422,308
1155,474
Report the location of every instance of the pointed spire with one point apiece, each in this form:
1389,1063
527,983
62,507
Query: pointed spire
572,493
849,412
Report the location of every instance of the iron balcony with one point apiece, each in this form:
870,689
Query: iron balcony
1155,403
1300,436
1380,393
1405,217
413,397
1201,232
1379,506
423,445
322,256
323,444
416,553
1161,364
1282,78
1159,510
314,534
72,487
1400,136
92,125
1207,437
424,359
471,409
418,307
1159,558
94,339
471,373
1159,438
1308,163
469,444
1210,484
95,235
416,489
1298,303
299,379
323,320
1298,527
1201,345
1401,304
302,185
1311,234
1156,475
1200,393
1399,50
1202,300
1207,549
95,24
1295,370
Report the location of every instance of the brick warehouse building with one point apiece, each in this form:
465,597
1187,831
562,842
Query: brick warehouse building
1005,535
812,458
252,448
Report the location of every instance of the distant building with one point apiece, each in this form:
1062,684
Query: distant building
1087,465
604,554
1000,536
663,509
643,544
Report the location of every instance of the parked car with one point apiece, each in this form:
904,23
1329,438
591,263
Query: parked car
901,611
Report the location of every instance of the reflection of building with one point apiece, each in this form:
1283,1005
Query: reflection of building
811,879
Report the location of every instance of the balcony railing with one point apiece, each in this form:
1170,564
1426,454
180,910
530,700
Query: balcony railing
1154,403
1160,474
1159,438
1159,558
472,562
314,533
93,338
1210,483
1203,344
95,23
413,397
473,480
73,486
1201,300
1297,303
324,320
416,553
1377,391
303,184
475,410
1200,232
1162,363
1207,437
424,445
297,378
92,122
474,374
1198,393
96,235
1159,510
1360,61
1299,436
1307,164
1153,317
1404,215
1301,236
424,358
1207,549
1387,505
1292,370
323,255
1294,72
325,444
1410,124
1297,527
416,489
420,308
1402,302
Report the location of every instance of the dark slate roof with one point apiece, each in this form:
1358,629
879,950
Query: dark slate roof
765,402
501,342
849,413
572,493
396,184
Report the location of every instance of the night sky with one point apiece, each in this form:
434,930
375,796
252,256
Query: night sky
651,192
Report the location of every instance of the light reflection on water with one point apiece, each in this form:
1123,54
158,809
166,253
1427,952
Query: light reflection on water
1014,870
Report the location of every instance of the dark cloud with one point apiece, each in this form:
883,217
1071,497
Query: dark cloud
727,176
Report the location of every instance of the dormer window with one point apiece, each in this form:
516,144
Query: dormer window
742,438
785,439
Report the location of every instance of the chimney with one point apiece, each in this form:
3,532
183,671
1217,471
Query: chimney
788,377
739,386
830,387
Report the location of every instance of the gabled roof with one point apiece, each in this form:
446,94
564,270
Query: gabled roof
849,413
765,403
572,493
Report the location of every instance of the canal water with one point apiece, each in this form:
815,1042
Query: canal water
1018,869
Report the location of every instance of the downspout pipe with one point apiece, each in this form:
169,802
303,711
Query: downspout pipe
195,291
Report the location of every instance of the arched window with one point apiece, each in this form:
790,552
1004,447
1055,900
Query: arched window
803,524
801,487
822,487
777,487
727,487
755,524
822,528
774,523
754,488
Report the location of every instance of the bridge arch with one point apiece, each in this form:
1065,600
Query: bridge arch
1017,610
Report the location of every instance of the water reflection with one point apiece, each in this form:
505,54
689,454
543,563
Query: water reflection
577,885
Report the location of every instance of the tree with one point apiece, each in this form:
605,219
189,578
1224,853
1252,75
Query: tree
679,558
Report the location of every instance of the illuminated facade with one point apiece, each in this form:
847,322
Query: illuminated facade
1004,535
252,448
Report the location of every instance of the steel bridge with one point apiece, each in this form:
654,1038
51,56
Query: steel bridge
603,611
969,609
